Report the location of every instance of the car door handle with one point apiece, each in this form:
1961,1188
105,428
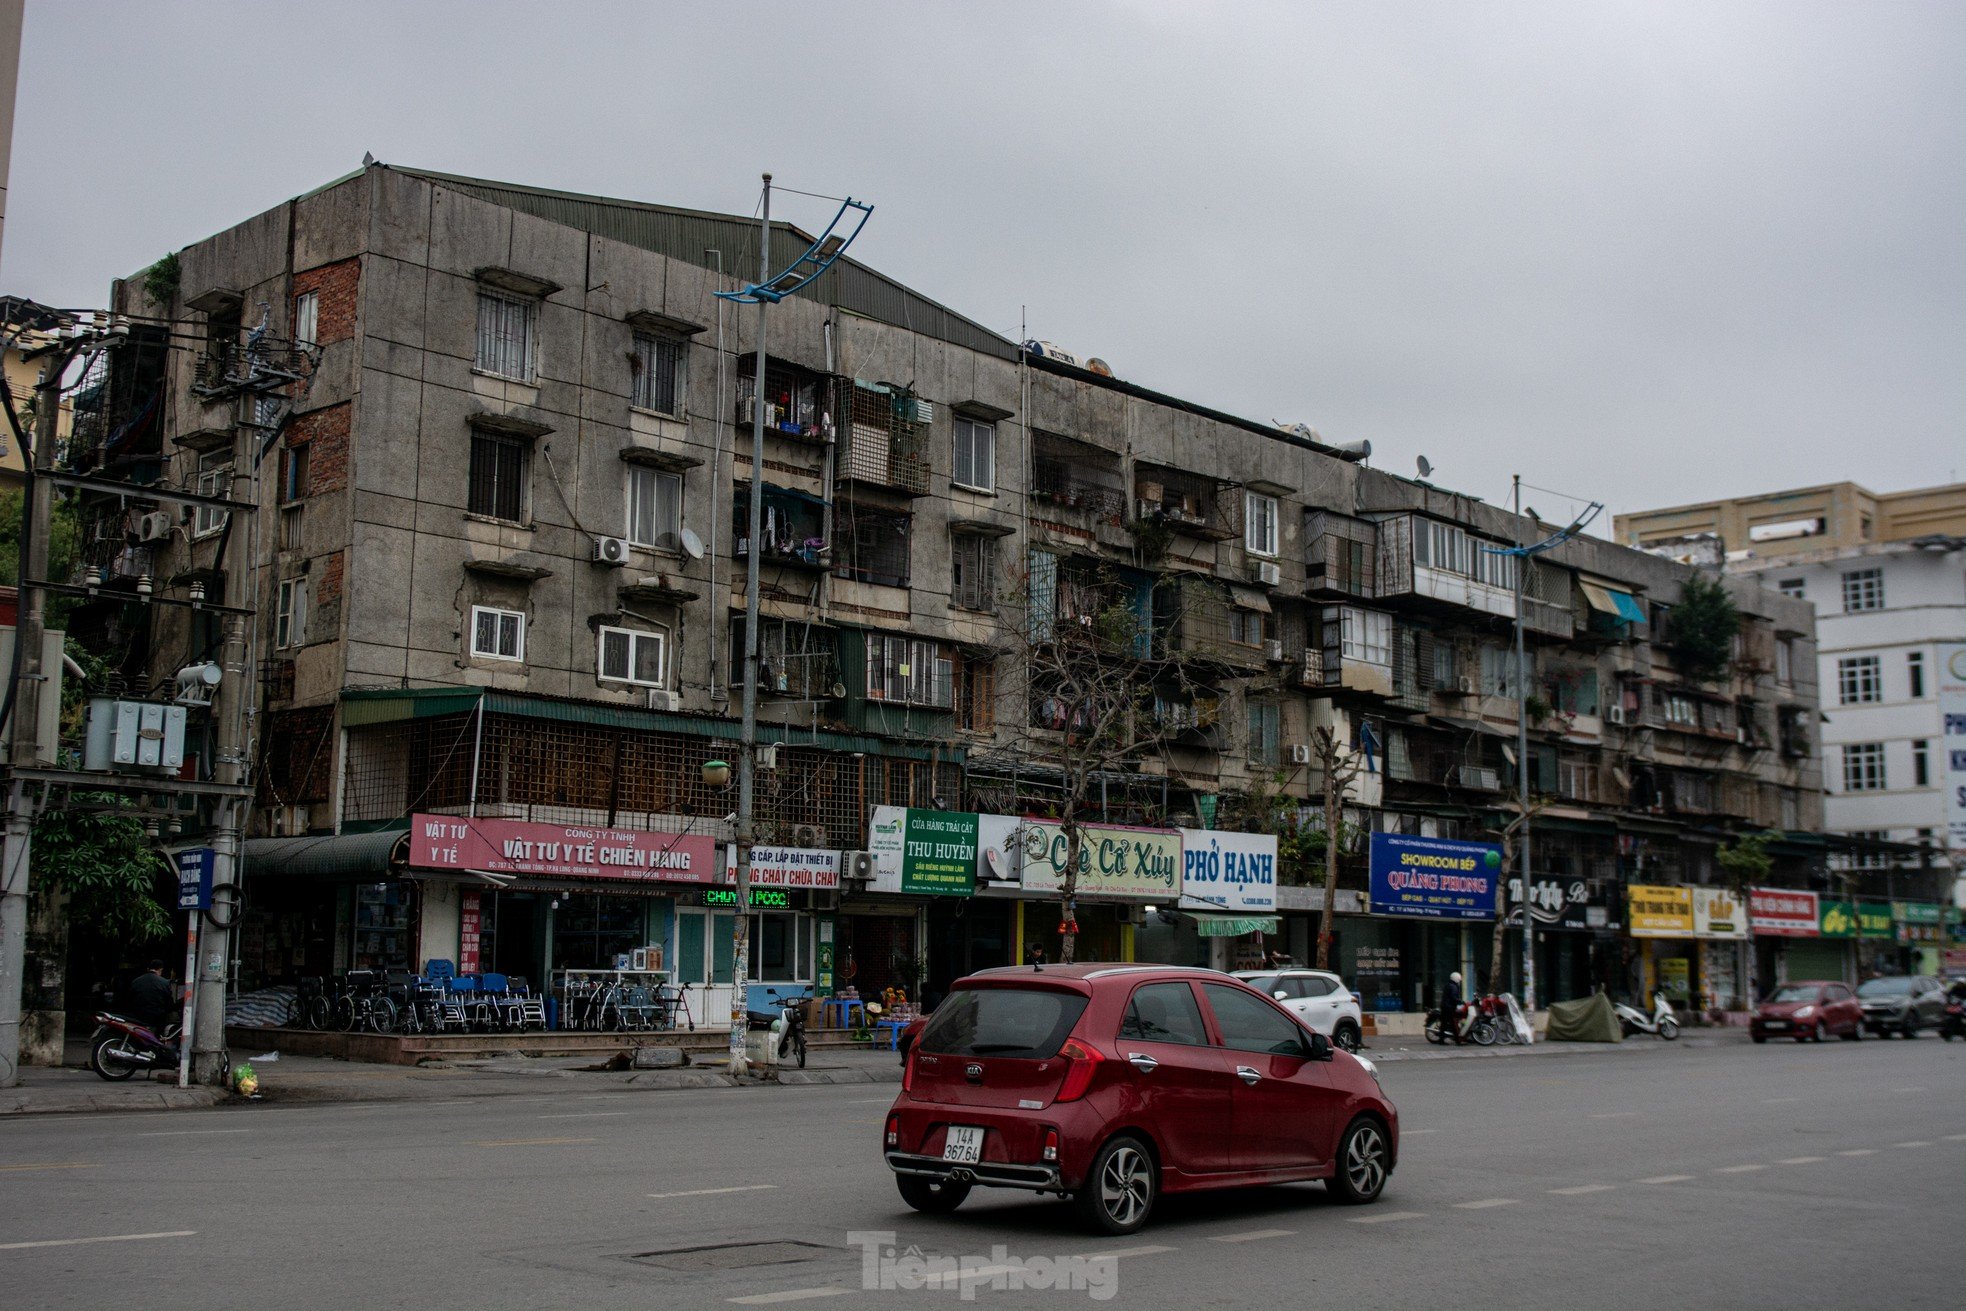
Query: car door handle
1142,1062
1248,1075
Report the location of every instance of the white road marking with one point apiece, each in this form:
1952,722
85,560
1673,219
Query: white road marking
1915,1143
1956,1137
791,1295
1615,1115
107,1238
532,1142
1253,1236
1385,1216
1739,1169
1125,1251
1487,1202
1858,1151
1777,1101
1415,1133
1581,1189
584,1115
712,1192
187,1133
1907,1090
1801,1160
1667,1179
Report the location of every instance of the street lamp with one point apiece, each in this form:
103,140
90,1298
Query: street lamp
716,773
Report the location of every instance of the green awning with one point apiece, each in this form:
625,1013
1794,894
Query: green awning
1234,926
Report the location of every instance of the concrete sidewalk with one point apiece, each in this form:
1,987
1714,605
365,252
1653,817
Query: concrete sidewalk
301,1080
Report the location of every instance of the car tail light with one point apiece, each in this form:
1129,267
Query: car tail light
908,1074
1082,1062
894,1131
1051,1145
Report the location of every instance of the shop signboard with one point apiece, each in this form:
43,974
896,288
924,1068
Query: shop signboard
1559,903
1433,878
1874,920
510,846
925,852
470,930
1114,861
1952,746
786,867
1782,913
1236,871
1661,912
194,878
1918,921
1838,919
1718,913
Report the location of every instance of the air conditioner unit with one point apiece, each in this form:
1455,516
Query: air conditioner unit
1276,652
289,821
154,527
611,551
1266,572
857,865
826,900
747,410
1466,686
767,756
1480,777
1300,753
1615,713
661,698
808,835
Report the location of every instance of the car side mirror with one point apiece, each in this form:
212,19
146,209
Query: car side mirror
1320,1047
1281,995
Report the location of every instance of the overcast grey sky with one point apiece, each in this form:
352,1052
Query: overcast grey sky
1643,253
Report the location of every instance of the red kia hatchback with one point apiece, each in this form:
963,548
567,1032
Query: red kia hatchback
1810,1009
1111,1084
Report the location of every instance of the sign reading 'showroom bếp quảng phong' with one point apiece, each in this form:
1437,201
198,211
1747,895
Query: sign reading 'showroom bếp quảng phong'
1433,878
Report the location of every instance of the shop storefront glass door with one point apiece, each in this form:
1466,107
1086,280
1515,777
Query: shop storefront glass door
780,955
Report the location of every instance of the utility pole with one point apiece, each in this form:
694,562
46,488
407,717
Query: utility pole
1522,769
747,759
29,632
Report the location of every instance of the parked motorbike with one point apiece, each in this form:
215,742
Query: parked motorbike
787,1027
1441,1031
1661,1021
120,1047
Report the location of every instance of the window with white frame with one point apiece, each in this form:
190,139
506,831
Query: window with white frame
1863,589
307,318
1366,635
1259,523
1785,661
974,583
1921,763
1859,680
629,655
910,671
1863,767
1915,674
1441,546
976,455
658,363
507,325
1795,587
497,634
214,479
290,614
655,507
1252,627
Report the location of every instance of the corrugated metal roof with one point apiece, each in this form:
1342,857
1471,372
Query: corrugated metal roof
356,857
688,234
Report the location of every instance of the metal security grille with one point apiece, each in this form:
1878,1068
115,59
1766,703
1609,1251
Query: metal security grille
1076,475
658,365
505,335
501,467
873,545
886,437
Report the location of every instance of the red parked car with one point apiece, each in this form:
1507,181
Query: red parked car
1812,1009
1111,1084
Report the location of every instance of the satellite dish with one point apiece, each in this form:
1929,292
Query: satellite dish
692,544
1426,467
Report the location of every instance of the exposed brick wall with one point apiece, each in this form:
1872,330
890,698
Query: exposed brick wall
335,286
325,432
327,579
299,763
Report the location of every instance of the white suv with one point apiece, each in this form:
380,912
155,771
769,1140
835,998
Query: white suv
1320,999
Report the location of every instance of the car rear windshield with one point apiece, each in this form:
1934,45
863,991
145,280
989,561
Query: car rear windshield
1885,988
1793,993
1016,1023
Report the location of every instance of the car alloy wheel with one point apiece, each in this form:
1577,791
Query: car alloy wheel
1362,1163
1119,1189
1347,1037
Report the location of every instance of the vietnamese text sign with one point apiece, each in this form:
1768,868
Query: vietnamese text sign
938,853
1236,871
1660,912
1433,878
1782,913
470,930
194,879
1838,919
1113,861
1874,920
510,846
1718,913
1952,746
786,867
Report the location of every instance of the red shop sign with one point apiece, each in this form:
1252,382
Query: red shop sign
1783,913
510,846
470,928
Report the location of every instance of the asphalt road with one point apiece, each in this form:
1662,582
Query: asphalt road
1707,1174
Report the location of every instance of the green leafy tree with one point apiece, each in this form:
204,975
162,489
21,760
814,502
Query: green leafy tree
104,862
1746,861
1703,627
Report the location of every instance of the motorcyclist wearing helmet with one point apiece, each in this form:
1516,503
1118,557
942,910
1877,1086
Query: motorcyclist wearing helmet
1453,1011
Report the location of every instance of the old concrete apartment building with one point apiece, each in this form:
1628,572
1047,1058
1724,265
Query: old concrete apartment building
500,557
